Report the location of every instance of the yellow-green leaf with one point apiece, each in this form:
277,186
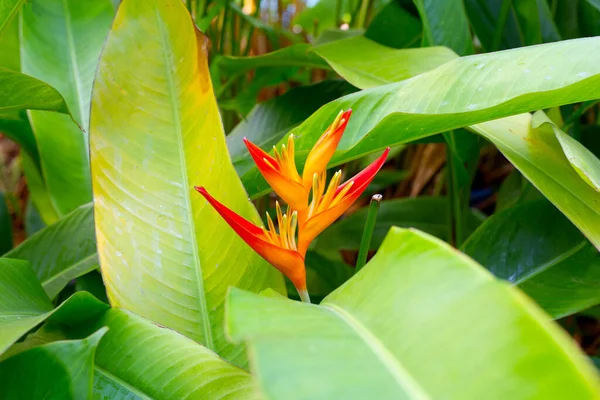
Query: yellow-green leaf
155,133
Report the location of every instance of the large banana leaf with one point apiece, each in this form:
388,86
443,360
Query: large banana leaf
23,303
61,370
380,334
535,247
61,41
155,133
462,92
61,252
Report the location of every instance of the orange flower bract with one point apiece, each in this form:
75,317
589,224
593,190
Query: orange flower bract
280,247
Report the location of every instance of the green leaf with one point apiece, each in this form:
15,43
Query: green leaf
296,55
165,254
62,251
535,247
445,24
60,370
395,27
24,304
459,93
383,331
530,144
429,214
138,359
38,189
484,15
583,161
515,189
8,10
67,60
22,92
535,20
268,122
378,64
6,236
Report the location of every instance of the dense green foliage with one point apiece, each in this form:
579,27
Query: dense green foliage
128,285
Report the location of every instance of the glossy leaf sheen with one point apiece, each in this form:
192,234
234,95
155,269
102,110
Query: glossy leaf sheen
535,247
61,252
66,59
155,133
381,331
59,370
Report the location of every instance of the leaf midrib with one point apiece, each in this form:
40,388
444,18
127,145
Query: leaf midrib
74,68
404,379
197,268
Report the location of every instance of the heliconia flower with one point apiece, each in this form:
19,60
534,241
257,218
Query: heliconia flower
328,205
280,250
323,150
280,173
280,170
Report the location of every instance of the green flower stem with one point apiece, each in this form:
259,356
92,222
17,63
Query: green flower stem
365,242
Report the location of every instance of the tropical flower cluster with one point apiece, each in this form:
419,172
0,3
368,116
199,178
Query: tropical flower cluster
313,204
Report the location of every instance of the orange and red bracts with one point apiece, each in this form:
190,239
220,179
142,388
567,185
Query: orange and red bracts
280,170
280,247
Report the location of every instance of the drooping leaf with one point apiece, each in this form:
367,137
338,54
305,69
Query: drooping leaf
23,303
60,370
583,161
146,210
440,17
429,214
378,64
62,251
530,144
22,92
382,331
535,247
61,41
